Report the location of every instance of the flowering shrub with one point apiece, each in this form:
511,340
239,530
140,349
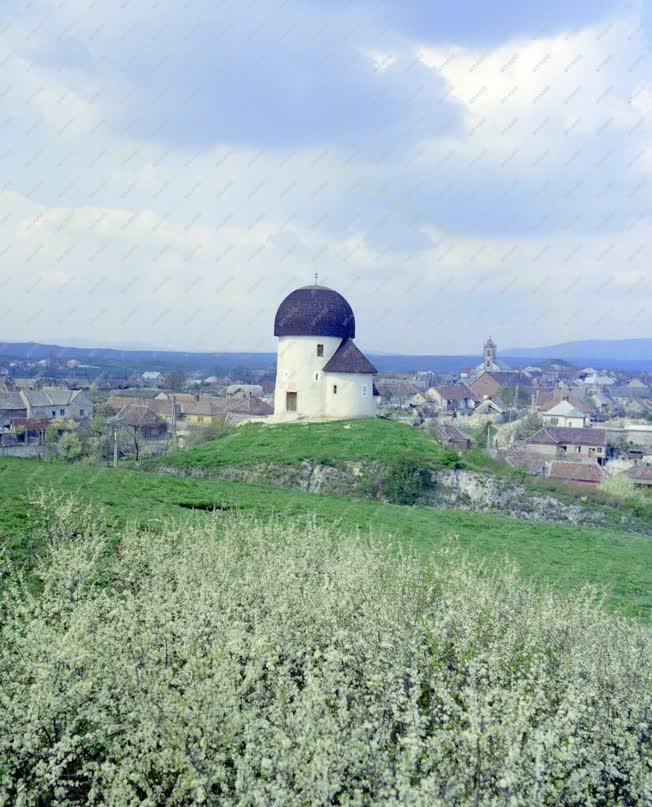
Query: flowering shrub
275,663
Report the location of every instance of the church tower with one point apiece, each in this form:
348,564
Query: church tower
489,354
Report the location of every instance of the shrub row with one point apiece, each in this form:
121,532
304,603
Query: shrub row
264,663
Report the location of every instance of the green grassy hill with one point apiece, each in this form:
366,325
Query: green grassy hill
264,452
328,443
567,556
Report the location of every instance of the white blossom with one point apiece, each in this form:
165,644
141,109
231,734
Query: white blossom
263,663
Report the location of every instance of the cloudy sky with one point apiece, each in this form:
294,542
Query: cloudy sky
170,170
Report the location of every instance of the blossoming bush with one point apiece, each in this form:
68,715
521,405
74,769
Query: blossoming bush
275,663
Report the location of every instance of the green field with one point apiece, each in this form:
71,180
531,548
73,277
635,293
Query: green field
566,556
332,442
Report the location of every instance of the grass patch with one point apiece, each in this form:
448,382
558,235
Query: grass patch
327,443
569,557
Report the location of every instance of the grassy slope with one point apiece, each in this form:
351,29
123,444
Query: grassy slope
567,556
331,442
381,440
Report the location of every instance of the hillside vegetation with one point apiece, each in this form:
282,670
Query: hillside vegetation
269,662
390,461
331,442
570,557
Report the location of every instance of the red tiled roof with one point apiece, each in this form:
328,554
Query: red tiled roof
138,415
251,406
641,473
559,435
456,392
29,423
546,399
576,471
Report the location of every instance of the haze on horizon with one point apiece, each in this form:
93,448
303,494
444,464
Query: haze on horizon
170,173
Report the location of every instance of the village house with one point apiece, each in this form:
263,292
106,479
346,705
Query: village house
565,414
544,399
579,473
47,403
175,396
641,475
451,436
189,411
160,406
243,391
418,399
29,430
452,398
632,434
490,384
573,444
491,410
395,391
598,379
527,460
247,409
140,417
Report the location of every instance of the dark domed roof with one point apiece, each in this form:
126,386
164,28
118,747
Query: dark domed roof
314,311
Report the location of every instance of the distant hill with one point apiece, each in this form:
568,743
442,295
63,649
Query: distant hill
606,349
626,354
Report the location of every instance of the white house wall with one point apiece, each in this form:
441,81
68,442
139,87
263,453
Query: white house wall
300,369
297,365
565,421
354,397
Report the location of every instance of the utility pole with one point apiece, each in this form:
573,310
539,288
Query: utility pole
174,420
115,446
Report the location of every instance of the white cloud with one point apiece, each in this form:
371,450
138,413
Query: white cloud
144,278
128,240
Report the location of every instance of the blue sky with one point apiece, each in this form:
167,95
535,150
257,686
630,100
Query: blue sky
171,171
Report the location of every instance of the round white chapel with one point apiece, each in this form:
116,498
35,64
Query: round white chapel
320,373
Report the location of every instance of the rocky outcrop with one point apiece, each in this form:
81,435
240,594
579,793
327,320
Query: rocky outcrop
470,490
458,489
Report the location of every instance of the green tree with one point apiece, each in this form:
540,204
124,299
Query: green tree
98,426
175,380
55,430
405,480
69,447
527,426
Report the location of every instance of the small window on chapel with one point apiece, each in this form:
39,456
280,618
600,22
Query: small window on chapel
334,389
316,376
320,350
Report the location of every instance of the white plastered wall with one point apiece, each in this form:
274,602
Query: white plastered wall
299,369
354,397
